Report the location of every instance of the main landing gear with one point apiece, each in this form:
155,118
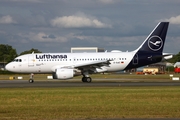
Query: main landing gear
86,79
31,80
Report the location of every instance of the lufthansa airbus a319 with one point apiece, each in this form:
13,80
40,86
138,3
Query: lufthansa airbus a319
64,66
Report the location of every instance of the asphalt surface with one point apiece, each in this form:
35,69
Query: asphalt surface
55,83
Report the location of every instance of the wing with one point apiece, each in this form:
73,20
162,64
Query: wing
90,67
93,67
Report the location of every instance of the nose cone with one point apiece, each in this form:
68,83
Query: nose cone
8,67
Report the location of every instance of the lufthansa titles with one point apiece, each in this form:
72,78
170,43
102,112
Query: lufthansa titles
49,56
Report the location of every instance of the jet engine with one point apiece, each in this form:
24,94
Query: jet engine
63,74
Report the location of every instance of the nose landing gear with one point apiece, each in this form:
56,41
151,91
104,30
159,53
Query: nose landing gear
31,80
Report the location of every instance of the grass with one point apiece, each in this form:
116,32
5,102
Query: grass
89,103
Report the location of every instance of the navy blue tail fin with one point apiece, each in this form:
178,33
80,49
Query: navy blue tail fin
150,51
154,43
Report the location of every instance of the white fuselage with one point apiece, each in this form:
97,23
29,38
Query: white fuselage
49,62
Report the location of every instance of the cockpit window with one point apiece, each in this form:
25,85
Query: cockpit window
17,60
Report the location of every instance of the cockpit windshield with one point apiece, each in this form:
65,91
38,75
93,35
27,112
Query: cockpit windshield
17,60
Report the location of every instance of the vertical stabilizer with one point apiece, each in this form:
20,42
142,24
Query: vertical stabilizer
150,51
156,39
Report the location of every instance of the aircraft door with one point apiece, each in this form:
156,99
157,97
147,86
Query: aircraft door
30,60
135,59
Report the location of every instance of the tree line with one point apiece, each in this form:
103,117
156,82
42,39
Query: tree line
8,53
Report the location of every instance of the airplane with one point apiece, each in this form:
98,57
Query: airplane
64,66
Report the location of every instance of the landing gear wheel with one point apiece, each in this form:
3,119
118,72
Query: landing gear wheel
31,80
83,79
88,79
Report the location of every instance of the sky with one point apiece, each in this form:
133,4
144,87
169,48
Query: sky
57,25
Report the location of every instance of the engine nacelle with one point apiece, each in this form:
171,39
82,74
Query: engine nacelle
63,74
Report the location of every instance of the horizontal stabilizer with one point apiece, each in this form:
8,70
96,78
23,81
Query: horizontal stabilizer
167,56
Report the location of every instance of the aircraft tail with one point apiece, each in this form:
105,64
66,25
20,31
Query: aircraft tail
150,51
154,43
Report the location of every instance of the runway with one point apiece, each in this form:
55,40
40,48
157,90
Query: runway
55,83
